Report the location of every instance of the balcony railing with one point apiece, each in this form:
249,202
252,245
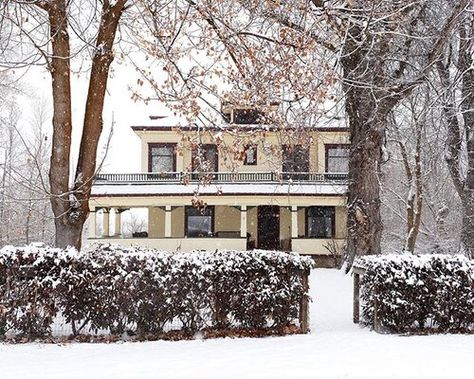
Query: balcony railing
221,177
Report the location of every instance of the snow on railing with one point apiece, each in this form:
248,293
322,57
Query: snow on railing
222,177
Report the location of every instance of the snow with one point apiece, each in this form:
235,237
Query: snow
190,189
336,348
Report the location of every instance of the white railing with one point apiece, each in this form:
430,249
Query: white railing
220,177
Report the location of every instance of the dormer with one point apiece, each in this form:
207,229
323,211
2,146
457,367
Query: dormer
247,115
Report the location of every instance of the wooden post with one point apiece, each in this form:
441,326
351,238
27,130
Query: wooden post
105,222
168,221
118,222
243,221
376,325
356,304
93,223
357,272
294,221
304,304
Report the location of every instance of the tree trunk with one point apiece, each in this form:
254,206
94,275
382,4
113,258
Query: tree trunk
364,223
467,229
367,123
68,234
69,201
463,179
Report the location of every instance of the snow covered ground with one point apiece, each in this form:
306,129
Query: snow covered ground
336,348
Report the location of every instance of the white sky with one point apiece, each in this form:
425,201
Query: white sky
124,151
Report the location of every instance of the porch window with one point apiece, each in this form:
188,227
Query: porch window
250,155
162,157
337,158
199,222
320,222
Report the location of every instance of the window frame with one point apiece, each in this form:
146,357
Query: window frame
255,155
333,221
186,215
154,145
333,146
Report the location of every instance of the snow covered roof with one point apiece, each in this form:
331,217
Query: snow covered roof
250,127
329,189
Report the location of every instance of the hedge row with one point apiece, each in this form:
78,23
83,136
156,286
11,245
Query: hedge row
117,289
418,293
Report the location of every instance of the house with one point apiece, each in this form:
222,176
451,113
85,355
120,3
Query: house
240,186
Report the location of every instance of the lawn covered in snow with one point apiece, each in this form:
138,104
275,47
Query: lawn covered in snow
336,348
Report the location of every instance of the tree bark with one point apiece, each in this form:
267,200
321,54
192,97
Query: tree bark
62,116
463,180
367,123
70,203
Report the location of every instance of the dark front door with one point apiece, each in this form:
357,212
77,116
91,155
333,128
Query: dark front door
269,227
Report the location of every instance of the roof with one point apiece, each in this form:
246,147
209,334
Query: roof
322,189
193,127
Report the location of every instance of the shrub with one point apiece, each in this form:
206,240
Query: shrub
417,293
113,289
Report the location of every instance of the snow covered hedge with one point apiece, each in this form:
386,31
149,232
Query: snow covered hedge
417,293
116,289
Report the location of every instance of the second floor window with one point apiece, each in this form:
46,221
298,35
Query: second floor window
162,157
250,155
205,158
337,158
320,222
295,158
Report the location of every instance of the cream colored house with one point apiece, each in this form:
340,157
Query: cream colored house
241,186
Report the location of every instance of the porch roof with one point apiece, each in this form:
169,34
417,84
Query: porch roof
295,189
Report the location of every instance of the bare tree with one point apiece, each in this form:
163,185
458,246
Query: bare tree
456,73
43,29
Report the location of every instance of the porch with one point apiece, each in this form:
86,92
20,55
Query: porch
218,226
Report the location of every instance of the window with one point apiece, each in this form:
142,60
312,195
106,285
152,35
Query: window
250,155
320,222
161,157
199,222
295,158
248,116
337,158
205,158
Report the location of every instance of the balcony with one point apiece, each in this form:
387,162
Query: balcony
220,183
270,177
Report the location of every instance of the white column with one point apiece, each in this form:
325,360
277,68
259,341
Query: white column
118,222
294,221
105,222
92,224
243,221
168,221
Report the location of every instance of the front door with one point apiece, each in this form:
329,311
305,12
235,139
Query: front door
268,227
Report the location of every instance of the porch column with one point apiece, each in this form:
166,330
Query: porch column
243,221
105,222
92,224
118,222
168,221
294,221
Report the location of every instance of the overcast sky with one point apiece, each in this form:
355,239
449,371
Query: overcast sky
124,151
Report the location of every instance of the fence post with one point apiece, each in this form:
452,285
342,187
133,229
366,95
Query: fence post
356,305
304,304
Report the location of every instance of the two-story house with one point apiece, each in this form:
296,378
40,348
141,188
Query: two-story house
240,186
